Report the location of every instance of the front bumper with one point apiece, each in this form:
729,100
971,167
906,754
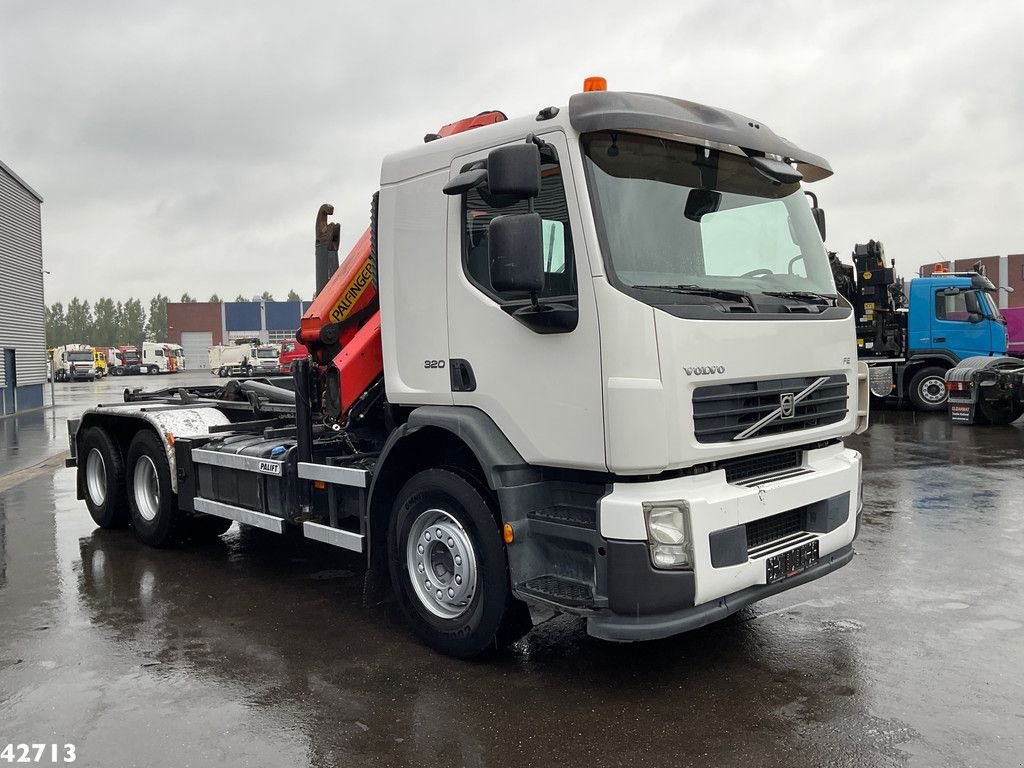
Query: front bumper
732,530
625,628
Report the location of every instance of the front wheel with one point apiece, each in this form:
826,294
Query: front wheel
151,502
928,389
449,567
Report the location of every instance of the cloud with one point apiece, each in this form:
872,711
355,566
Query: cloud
187,146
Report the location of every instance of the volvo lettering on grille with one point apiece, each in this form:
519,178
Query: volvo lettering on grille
787,402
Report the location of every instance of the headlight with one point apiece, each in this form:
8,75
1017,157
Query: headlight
668,534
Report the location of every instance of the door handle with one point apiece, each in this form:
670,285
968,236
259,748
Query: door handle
939,339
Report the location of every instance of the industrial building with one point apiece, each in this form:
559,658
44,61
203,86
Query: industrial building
22,308
1003,271
200,325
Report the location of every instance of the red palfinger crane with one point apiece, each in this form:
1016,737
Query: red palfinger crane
341,328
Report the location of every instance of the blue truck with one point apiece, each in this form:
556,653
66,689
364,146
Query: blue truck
910,335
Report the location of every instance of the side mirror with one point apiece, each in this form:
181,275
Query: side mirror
514,171
516,248
819,219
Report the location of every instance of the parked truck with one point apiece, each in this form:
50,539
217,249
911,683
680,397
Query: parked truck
588,361
1014,317
73,362
124,360
99,361
244,358
290,352
162,357
911,336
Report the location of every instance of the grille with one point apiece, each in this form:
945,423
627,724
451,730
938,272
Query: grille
768,529
721,412
737,470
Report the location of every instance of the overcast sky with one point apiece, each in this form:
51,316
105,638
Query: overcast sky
186,146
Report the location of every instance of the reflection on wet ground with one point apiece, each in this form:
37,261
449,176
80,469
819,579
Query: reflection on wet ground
258,650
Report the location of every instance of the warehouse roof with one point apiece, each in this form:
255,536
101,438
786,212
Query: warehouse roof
7,169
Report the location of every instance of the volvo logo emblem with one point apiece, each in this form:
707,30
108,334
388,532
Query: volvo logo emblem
786,410
787,405
703,370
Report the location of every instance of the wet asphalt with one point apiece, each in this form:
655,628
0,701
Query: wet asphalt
260,651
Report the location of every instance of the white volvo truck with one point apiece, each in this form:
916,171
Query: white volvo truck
591,360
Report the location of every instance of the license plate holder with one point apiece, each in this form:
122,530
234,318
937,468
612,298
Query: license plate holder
791,562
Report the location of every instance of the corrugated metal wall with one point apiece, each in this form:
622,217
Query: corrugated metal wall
22,315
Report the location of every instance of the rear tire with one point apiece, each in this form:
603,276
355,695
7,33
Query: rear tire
467,565
1000,413
103,479
928,389
152,504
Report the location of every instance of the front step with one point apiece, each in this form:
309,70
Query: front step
239,515
559,590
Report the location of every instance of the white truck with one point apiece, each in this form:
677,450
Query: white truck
162,357
244,359
591,360
73,362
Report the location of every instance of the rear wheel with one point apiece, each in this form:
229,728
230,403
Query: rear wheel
449,567
103,479
153,506
928,389
1001,412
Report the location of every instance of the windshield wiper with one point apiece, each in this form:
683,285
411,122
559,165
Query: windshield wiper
809,296
700,290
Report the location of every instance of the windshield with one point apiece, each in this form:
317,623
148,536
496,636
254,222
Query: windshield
179,353
129,357
288,347
266,353
675,214
80,357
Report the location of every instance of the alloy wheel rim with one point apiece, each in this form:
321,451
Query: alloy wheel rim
96,477
146,487
933,390
441,564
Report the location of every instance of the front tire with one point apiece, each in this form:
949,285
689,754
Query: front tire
152,504
928,389
449,567
103,479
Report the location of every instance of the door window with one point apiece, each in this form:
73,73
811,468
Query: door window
480,208
959,307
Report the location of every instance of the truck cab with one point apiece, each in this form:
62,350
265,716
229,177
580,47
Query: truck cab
74,362
955,315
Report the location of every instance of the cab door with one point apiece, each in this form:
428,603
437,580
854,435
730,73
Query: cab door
543,390
959,323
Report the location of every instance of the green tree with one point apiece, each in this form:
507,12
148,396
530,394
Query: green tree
105,323
156,330
241,299
293,296
135,322
79,322
56,325
266,296
214,298
186,299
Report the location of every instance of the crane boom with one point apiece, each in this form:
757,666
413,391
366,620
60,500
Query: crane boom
341,328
